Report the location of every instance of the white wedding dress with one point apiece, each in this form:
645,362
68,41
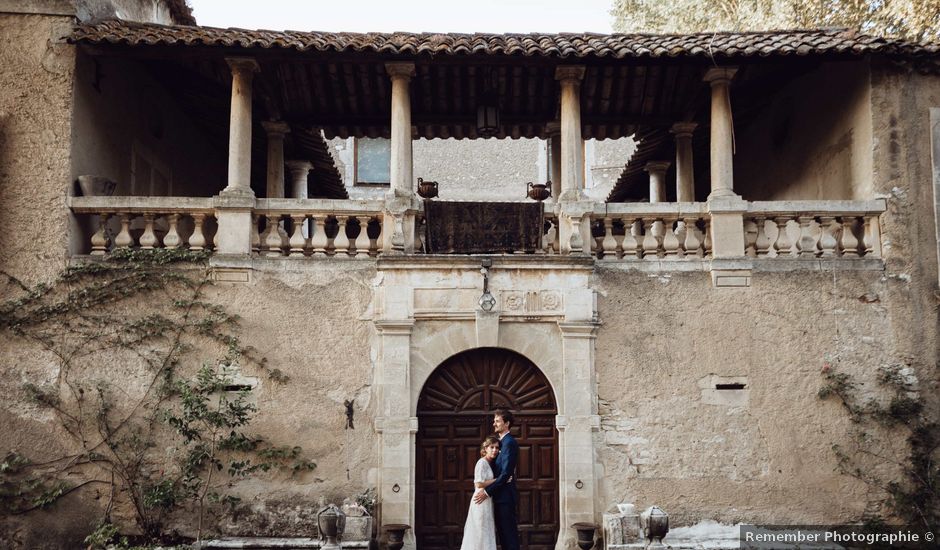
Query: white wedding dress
479,533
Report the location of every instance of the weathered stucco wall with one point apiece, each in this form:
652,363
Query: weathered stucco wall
35,102
813,141
766,456
119,109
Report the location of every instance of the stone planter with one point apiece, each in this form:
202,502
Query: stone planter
357,528
396,535
585,535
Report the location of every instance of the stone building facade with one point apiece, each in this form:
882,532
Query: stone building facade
777,218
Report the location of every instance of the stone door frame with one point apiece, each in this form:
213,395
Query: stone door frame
413,340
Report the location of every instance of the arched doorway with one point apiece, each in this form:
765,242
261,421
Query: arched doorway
453,418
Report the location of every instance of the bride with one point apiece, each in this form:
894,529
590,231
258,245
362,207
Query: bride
479,533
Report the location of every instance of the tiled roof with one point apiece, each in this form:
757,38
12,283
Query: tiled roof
564,45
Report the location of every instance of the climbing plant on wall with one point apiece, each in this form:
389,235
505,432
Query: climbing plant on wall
894,444
130,364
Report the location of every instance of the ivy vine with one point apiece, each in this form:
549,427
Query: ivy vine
141,414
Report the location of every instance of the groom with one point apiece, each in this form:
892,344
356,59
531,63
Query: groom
503,490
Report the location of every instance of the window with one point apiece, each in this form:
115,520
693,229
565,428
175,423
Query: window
373,157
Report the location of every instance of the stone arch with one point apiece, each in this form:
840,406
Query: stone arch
539,343
453,416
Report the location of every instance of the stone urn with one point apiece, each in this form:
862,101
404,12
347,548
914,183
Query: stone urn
396,535
332,522
655,524
96,186
540,191
585,534
427,189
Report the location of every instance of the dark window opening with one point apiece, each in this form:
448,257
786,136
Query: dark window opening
730,386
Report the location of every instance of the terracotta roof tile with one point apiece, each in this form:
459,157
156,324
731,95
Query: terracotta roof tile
565,45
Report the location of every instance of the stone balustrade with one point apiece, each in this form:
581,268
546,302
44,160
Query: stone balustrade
813,229
614,232
661,231
147,222
317,227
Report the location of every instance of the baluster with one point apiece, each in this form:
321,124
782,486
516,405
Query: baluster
872,236
362,239
546,237
826,246
807,243
750,238
99,241
149,239
650,243
782,245
849,241
124,239
255,236
197,241
297,240
374,243
556,236
670,241
692,243
707,239
575,241
633,236
763,243
618,242
272,239
609,244
680,233
172,237
318,240
341,240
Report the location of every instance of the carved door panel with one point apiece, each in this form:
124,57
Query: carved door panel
454,415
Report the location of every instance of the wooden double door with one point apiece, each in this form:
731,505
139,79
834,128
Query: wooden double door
454,415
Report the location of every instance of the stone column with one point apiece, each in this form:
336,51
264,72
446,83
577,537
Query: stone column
685,177
657,171
729,266
722,131
234,204
239,142
275,176
572,146
299,170
401,167
554,165
578,420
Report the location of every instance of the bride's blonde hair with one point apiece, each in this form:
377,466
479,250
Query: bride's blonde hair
490,439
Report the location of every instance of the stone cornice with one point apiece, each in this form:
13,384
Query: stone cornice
401,327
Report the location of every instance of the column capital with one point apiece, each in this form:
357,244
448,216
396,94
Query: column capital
657,166
719,75
569,73
400,69
299,165
243,64
275,128
683,129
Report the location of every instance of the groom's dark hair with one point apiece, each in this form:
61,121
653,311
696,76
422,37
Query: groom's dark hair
505,415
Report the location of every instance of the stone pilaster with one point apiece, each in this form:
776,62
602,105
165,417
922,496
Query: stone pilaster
685,174
572,145
578,419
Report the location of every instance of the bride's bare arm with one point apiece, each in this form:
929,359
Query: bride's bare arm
485,484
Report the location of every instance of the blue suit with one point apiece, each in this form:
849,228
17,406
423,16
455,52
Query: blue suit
504,494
